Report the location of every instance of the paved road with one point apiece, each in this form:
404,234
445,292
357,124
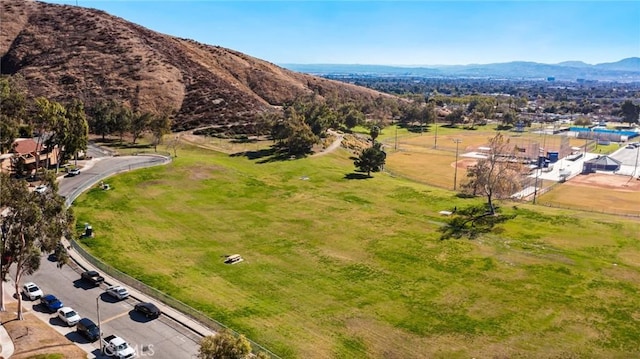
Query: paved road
160,338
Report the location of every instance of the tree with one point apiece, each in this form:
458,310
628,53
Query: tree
472,221
140,123
582,121
371,159
160,125
77,137
121,121
630,112
224,345
102,118
496,176
31,223
374,133
293,134
353,118
12,111
455,116
51,122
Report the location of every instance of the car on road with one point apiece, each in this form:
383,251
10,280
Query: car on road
73,172
69,316
117,347
88,329
41,188
51,303
117,291
149,310
92,277
32,291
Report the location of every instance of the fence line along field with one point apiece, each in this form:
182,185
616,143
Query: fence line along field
336,267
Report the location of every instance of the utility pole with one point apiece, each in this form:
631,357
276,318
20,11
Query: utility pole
396,145
455,165
435,140
99,325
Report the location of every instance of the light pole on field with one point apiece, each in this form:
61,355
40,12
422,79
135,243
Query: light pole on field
455,165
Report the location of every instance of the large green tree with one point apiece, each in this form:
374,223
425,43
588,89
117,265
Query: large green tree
77,137
102,118
31,223
12,111
51,122
371,159
630,112
140,123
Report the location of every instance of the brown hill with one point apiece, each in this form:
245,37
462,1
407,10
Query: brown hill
66,52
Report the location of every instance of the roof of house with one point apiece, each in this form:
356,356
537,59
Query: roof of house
26,145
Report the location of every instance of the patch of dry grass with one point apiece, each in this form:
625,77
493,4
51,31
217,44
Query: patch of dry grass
32,337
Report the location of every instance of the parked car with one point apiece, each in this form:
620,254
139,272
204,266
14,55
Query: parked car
41,188
32,291
69,316
117,347
92,277
88,329
74,172
51,303
117,291
149,310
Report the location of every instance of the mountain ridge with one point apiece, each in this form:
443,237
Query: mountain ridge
625,70
64,52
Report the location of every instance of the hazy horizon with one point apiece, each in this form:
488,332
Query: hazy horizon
399,33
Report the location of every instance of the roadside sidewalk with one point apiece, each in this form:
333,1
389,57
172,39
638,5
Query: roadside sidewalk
5,340
182,319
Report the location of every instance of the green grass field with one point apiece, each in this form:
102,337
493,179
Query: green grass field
353,268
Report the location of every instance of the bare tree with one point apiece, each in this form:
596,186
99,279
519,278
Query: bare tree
497,176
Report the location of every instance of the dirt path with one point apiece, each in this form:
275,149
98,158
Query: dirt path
334,145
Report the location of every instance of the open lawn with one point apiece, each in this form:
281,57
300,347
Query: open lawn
353,268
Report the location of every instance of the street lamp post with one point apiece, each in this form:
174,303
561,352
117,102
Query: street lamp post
99,325
455,165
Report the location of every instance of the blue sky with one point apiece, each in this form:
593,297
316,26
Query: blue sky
398,32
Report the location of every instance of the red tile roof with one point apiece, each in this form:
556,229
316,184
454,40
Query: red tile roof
26,145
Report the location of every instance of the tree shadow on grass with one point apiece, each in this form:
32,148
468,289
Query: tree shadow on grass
264,155
357,176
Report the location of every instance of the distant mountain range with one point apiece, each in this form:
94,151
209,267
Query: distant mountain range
626,70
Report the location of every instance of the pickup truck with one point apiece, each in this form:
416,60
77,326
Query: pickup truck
92,277
114,346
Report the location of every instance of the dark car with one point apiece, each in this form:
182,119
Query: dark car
149,310
51,303
92,277
88,329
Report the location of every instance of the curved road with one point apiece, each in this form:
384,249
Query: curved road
160,338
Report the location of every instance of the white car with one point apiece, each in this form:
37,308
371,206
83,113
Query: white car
69,316
117,291
41,188
32,291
